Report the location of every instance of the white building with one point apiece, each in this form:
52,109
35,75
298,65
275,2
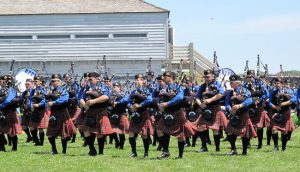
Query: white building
128,32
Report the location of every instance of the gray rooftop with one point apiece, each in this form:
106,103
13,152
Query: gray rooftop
23,7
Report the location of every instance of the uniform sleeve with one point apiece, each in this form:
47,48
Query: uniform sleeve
105,90
11,95
220,88
266,94
178,98
199,92
248,101
227,100
148,100
64,97
271,95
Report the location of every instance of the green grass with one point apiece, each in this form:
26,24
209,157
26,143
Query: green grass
30,158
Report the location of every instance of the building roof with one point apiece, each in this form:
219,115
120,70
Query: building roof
30,7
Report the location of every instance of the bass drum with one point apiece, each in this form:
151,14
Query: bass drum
22,75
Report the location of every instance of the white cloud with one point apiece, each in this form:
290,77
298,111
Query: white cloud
271,24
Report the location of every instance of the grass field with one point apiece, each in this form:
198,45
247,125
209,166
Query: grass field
30,158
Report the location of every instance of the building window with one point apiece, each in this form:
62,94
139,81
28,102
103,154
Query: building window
15,37
53,37
94,36
129,35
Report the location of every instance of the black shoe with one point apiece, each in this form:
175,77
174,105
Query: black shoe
28,140
217,149
276,148
203,150
259,146
133,155
244,154
84,144
178,157
283,149
54,152
93,153
164,155
146,155
232,153
208,142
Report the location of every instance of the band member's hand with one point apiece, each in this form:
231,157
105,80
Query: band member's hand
136,106
165,104
50,104
90,102
133,109
203,106
161,107
35,105
278,108
236,107
85,106
232,111
207,101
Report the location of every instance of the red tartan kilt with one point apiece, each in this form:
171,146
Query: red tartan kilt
122,127
245,129
143,128
25,119
218,121
182,127
103,126
64,127
287,125
12,126
261,118
43,120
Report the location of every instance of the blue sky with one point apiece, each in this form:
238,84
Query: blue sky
239,30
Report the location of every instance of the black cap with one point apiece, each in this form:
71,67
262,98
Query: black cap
251,72
85,74
277,79
94,75
208,71
235,78
159,77
37,77
56,76
66,75
107,78
139,76
2,78
150,73
188,79
116,84
29,80
170,74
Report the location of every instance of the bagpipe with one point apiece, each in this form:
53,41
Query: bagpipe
237,98
210,91
115,110
165,96
279,98
137,98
